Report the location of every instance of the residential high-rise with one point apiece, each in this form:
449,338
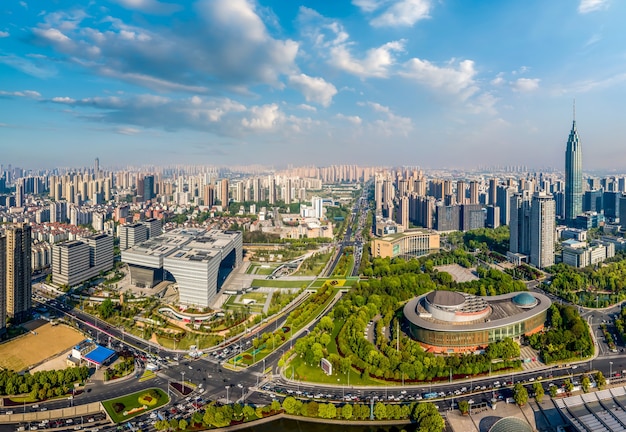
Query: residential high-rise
132,234
542,224
403,212
460,192
148,188
3,293
18,272
519,240
573,176
473,192
224,192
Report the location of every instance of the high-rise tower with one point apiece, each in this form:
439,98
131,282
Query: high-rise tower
573,175
18,272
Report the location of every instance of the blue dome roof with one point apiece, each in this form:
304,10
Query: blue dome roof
524,299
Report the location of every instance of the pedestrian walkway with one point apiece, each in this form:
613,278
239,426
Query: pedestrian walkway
527,353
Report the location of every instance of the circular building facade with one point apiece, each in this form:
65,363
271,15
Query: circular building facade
447,322
511,424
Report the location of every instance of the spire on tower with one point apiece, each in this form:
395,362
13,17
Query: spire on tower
574,113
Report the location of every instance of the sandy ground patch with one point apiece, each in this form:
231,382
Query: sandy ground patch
459,273
31,349
56,363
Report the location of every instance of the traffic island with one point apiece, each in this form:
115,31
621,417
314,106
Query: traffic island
126,407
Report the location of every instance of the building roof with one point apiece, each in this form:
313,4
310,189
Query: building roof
524,299
99,355
445,298
505,312
511,424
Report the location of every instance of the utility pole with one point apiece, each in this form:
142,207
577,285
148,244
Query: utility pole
398,336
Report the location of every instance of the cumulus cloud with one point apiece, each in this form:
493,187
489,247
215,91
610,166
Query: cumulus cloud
586,6
314,89
221,116
452,78
307,107
225,44
333,44
403,13
4,34
375,63
525,84
367,5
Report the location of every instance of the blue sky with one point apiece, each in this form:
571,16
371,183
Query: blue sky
434,83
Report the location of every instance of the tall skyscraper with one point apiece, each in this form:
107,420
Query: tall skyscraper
573,175
148,188
224,192
96,166
542,224
18,272
3,293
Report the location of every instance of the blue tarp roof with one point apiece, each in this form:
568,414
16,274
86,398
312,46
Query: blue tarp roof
99,355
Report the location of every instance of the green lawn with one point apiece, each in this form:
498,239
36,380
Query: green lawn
280,283
130,402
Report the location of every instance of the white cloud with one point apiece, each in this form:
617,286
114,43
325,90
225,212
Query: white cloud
127,131
586,6
332,43
31,94
368,5
53,35
37,68
454,78
376,63
498,80
223,45
525,84
314,89
149,6
307,107
64,100
390,123
221,116
4,34
403,13
263,117
356,120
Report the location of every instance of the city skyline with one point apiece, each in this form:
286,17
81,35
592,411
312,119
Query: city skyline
367,82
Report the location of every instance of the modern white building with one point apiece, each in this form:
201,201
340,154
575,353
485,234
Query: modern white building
542,230
580,254
197,259
132,234
76,261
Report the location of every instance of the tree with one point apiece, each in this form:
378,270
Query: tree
174,423
464,406
380,411
427,417
553,390
585,382
248,412
346,411
182,424
600,380
275,405
106,309
539,392
289,405
520,394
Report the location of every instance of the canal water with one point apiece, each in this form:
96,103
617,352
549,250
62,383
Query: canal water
287,425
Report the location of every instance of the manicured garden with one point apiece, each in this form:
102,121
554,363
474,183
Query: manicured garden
129,406
274,283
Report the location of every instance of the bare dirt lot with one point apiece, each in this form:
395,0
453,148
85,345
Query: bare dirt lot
31,349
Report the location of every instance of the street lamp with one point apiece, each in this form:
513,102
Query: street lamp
610,369
182,381
227,400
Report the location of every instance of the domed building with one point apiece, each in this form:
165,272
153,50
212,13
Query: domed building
448,322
